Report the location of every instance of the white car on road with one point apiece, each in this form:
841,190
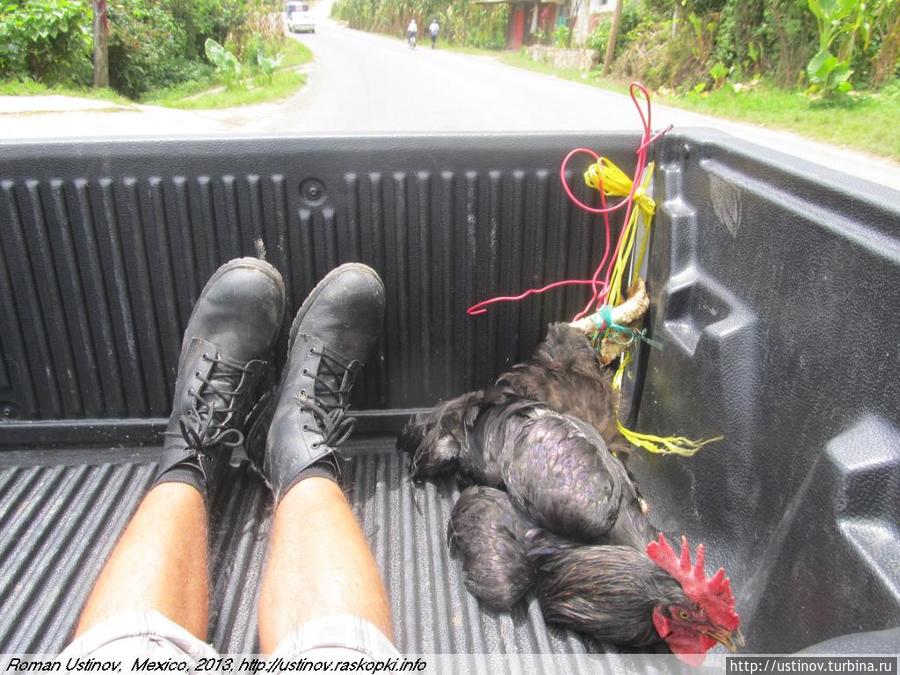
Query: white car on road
300,20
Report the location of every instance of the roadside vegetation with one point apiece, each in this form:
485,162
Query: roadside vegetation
859,120
278,79
863,120
178,53
32,88
827,69
465,23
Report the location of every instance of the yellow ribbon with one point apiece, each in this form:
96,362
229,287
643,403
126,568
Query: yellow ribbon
615,183
658,445
668,445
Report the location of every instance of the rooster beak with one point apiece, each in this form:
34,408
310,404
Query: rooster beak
731,640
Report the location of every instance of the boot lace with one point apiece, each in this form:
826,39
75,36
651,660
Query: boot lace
330,399
205,424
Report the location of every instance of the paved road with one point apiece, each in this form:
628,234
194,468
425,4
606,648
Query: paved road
372,83
361,82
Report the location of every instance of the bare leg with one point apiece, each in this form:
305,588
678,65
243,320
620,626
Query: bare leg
160,563
319,565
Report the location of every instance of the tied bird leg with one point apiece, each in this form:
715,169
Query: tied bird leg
628,314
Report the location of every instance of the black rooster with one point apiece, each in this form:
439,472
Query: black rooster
616,594
492,542
570,518
556,468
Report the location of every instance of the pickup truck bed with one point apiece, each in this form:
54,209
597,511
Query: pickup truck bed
61,516
774,288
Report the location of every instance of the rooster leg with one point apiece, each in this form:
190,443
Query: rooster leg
629,312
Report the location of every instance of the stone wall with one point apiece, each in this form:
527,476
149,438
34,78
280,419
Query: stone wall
580,59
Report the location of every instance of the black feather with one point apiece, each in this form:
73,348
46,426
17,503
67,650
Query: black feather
557,469
562,476
566,374
436,440
460,436
608,592
490,535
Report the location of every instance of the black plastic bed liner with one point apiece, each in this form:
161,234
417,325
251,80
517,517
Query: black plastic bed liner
59,520
774,295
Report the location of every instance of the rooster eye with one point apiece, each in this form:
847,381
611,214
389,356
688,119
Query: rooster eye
684,615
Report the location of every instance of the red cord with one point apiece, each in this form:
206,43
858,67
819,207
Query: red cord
600,290
475,310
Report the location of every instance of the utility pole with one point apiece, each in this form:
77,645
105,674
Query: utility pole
613,32
101,44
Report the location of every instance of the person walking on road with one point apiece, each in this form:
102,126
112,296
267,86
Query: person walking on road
411,31
433,31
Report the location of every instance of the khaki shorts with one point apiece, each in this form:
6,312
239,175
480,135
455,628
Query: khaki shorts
131,635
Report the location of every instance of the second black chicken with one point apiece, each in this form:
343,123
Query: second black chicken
556,467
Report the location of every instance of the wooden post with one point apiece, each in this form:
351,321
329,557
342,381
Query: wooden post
676,15
101,44
613,32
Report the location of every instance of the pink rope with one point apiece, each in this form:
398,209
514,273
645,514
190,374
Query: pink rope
599,290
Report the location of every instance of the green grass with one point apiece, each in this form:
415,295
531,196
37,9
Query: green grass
31,88
195,95
521,60
205,95
864,122
283,84
295,53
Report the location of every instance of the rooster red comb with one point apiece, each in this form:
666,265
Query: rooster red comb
712,594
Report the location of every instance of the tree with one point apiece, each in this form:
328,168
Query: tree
613,32
101,44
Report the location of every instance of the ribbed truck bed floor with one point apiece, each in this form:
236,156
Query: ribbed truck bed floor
62,511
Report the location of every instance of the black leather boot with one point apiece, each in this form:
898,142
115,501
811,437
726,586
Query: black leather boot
333,334
225,358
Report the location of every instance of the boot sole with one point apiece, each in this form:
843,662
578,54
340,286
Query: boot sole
260,265
311,298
